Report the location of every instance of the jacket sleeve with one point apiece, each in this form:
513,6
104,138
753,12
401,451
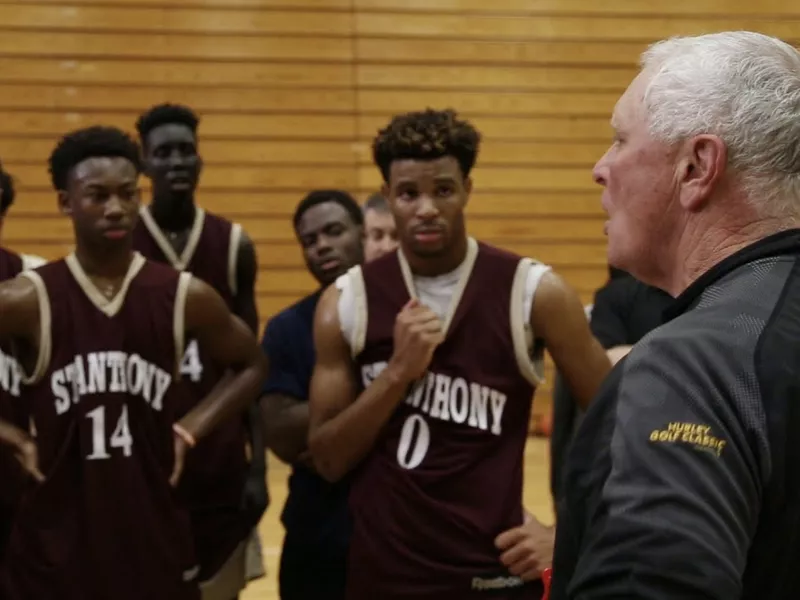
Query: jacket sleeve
680,504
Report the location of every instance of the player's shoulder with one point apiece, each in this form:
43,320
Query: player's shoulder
215,220
153,273
49,270
8,253
495,251
32,261
373,268
504,255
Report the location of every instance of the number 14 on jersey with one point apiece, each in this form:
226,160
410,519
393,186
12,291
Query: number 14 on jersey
120,438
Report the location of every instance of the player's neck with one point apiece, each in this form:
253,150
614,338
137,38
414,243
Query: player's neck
432,266
173,214
105,262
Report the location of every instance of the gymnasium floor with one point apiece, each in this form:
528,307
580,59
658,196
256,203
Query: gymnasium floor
537,500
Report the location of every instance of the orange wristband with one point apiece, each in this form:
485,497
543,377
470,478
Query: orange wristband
184,435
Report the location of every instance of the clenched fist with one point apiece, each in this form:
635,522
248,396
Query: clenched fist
417,333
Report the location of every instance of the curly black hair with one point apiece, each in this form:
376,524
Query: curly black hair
7,187
89,142
426,135
163,114
340,197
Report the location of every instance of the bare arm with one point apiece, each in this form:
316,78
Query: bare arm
283,402
558,317
229,343
344,425
617,353
245,308
19,321
19,311
246,273
285,426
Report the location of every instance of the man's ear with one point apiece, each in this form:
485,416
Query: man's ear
64,206
467,189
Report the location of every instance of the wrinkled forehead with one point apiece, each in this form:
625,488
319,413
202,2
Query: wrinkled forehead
630,107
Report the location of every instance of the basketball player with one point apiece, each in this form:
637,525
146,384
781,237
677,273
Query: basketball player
380,232
29,261
683,480
328,225
427,361
11,475
99,337
225,495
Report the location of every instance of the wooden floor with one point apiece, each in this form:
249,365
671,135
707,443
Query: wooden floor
536,495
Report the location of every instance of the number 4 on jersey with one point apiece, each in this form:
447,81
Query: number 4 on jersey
191,366
120,438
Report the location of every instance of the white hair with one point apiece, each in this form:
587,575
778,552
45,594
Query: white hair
743,87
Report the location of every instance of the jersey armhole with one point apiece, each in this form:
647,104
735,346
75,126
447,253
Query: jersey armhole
352,309
179,318
526,280
233,257
45,331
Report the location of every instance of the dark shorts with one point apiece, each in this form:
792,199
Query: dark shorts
309,572
6,522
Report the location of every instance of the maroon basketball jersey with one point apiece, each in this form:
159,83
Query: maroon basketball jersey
105,523
445,476
11,475
214,478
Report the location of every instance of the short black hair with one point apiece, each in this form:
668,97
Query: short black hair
7,186
340,197
89,142
377,202
426,135
164,114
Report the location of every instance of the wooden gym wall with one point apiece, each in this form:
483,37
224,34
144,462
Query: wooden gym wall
291,92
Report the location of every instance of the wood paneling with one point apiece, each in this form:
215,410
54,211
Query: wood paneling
588,8
174,18
79,95
176,46
291,93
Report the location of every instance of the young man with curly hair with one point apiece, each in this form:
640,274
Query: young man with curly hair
99,336
427,361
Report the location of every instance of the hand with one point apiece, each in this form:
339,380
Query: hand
28,456
528,549
417,333
305,459
255,497
181,448
24,448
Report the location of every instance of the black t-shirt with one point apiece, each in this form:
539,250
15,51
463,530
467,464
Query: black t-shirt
316,512
624,311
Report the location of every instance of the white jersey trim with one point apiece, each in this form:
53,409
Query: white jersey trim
45,331
179,318
178,262
233,258
526,281
352,309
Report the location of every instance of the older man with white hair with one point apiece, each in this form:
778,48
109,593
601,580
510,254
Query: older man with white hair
684,478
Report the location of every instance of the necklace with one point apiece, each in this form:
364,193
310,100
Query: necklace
108,290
